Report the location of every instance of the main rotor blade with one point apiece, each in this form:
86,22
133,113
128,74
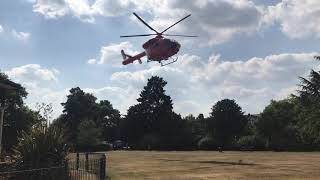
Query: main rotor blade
138,35
176,23
145,23
178,35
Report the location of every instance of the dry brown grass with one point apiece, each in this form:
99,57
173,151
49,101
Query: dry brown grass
213,165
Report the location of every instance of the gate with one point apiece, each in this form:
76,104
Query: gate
90,167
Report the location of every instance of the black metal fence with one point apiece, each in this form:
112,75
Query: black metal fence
52,173
91,167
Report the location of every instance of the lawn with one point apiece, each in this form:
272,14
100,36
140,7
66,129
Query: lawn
212,165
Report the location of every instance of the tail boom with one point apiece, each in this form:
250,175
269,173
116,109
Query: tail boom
131,59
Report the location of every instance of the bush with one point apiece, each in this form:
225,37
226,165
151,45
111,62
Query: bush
207,143
149,142
41,148
250,143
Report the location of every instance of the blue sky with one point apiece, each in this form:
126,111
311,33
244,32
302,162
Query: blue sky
250,51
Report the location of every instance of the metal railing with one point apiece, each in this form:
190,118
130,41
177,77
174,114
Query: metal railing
93,168
52,173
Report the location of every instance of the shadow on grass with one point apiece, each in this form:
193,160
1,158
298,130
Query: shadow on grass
212,162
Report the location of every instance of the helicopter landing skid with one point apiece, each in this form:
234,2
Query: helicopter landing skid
173,61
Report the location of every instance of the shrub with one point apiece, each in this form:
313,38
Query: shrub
41,148
251,142
149,142
207,143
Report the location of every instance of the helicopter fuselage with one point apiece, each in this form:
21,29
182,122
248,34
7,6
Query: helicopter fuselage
158,49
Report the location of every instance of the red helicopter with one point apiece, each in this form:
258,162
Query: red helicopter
156,49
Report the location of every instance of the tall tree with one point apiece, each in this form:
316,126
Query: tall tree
309,105
227,122
277,124
153,117
79,105
109,121
310,88
195,128
11,98
17,117
89,133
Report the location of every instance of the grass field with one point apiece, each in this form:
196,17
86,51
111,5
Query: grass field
212,165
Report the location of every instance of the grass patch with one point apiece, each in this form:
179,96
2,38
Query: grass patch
211,164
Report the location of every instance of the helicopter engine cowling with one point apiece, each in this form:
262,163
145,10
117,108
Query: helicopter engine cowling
162,49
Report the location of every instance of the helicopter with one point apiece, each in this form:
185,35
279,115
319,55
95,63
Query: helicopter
157,49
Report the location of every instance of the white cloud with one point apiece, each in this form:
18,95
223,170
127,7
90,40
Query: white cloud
51,8
195,84
20,35
298,18
1,29
215,21
32,73
42,85
111,7
111,55
82,9
92,61
120,98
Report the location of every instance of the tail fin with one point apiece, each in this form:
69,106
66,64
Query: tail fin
124,56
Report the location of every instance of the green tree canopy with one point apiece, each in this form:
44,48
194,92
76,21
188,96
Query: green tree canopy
153,117
11,98
108,119
17,116
309,106
227,122
80,106
89,133
277,123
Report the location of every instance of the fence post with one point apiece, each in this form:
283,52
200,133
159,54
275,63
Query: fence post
87,162
77,161
66,170
103,167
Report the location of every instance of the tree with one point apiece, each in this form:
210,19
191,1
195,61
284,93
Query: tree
310,88
195,128
109,121
12,98
308,101
89,134
277,123
17,117
79,105
226,122
153,117
17,120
